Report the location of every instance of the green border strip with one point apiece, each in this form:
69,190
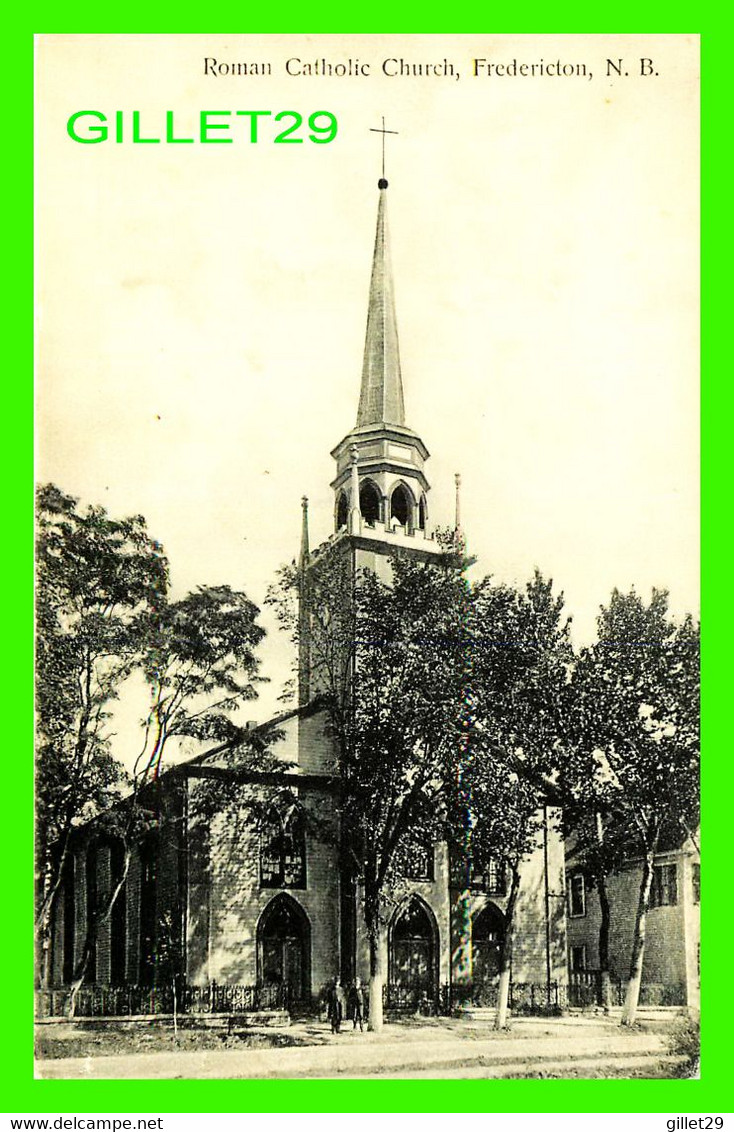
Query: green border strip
21,1092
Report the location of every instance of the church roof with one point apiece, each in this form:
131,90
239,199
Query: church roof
381,394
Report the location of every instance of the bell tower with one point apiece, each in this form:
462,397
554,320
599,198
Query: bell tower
380,487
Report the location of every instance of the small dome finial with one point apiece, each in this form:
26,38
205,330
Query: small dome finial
382,183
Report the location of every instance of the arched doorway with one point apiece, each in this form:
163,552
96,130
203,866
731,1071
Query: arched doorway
284,947
413,957
487,936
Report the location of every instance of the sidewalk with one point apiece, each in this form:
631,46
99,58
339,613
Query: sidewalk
398,1049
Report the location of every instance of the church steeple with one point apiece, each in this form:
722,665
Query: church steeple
381,395
381,487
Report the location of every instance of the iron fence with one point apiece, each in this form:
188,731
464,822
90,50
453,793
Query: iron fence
585,989
398,999
129,1001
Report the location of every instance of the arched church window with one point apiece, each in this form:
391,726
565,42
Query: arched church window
69,906
488,874
147,921
487,937
341,511
422,513
118,926
91,884
414,858
283,848
369,502
401,506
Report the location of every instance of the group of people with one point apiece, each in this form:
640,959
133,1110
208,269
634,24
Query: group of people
341,1004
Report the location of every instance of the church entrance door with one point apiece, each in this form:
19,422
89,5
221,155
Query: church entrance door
284,948
413,958
487,935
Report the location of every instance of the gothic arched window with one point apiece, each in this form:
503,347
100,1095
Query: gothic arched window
401,506
487,937
422,513
369,502
414,858
283,848
147,910
118,919
341,511
69,906
91,885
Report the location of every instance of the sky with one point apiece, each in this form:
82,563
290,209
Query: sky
202,307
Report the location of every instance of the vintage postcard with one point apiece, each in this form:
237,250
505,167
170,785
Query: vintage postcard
367,567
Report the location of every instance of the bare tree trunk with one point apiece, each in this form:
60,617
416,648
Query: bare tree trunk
632,997
503,992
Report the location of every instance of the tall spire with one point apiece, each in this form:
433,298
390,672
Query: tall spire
381,395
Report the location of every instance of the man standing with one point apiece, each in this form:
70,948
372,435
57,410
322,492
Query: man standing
356,1003
336,1002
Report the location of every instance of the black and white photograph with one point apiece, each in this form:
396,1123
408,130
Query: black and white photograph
367,556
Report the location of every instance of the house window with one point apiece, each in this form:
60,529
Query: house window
696,882
578,957
577,895
283,850
664,886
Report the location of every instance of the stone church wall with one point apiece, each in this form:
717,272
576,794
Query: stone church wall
226,900
530,940
540,937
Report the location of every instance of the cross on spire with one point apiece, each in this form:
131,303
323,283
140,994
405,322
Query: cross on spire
383,131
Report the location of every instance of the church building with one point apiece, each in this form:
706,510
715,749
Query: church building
257,896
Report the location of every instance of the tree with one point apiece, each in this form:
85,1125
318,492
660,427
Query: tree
387,658
601,844
95,576
639,722
514,739
198,658
436,692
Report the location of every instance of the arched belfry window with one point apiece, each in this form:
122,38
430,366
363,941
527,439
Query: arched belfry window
283,847
422,513
369,502
401,506
341,511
